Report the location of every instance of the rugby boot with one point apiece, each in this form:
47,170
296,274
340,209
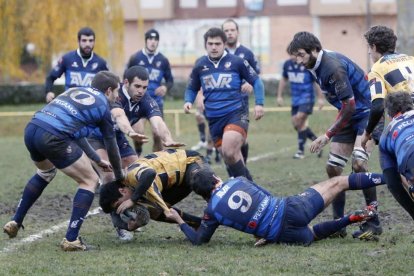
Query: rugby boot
371,228
299,155
76,245
11,228
124,235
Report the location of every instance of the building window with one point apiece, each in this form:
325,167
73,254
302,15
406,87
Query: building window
221,3
292,2
152,4
185,4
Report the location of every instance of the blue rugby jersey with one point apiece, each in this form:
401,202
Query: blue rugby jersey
246,54
397,143
244,206
78,72
75,113
158,68
221,82
340,78
301,83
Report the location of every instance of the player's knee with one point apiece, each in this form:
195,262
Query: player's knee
359,160
47,175
335,164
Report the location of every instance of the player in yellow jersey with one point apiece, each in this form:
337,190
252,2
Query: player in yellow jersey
391,72
157,181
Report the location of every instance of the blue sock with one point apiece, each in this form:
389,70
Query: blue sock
81,204
327,228
202,131
31,193
338,205
301,140
360,181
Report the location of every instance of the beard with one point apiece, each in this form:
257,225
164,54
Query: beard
311,63
87,53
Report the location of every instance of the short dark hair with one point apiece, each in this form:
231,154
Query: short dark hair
136,71
152,33
383,38
204,181
108,194
85,31
230,20
215,32
105,79
398,102
306,41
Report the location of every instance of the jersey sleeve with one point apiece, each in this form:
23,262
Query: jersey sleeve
150,108
204,232
58,70
247,72
376,85
387,160
338,81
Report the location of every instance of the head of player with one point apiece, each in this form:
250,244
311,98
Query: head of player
136,82
231,29
204,182
381,41
86,41
152,38
214,41
112,194
398,103
107,83
305,47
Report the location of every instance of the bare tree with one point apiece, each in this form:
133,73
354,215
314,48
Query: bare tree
405,26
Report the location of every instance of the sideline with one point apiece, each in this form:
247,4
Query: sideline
15,244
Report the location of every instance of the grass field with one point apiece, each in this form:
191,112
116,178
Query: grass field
162,250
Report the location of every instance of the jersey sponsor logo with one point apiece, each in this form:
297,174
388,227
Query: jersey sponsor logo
263,205
154,75
227,65
223,191
94,65
223,81
82,97
296,77
76,79
66,105
158,64
141,62
75,64
405,124
394,134
241,55
205,68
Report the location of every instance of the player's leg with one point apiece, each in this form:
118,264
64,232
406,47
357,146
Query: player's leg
232,141
300,123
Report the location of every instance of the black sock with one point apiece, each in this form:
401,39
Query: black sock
310,135
202,131
245,152
301,140
338,205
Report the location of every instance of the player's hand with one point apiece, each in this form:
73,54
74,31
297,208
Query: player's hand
173,216
247,88
319,143
364,139
161,90
321,103
187,107
141,138
105,165
279,101
258,112
50,96
173,144
124,205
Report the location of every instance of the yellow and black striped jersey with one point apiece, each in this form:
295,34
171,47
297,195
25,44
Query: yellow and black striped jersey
391,73
170,167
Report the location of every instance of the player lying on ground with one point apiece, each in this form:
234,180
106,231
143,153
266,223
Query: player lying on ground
245,206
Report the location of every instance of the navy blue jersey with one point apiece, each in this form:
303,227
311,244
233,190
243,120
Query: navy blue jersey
397,144
246,54
221,83
301,83
78,72
74,111
245,206
158,68
340,78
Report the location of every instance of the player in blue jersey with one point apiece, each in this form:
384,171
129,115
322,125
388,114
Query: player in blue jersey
346,88
159,69
233,46
243,205
79,66
303,88
397,148
220,76
50,139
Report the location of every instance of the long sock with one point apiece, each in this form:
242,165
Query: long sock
360,181
301,140
202,131
138,148
81,204
338,205
245,151
238,169
327,228
31,193
310,135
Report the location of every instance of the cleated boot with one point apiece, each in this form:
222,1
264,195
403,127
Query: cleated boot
11,228
76,245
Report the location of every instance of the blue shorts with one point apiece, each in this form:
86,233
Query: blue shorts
300,210
125,148
304,108
353,128
238,121
42,145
